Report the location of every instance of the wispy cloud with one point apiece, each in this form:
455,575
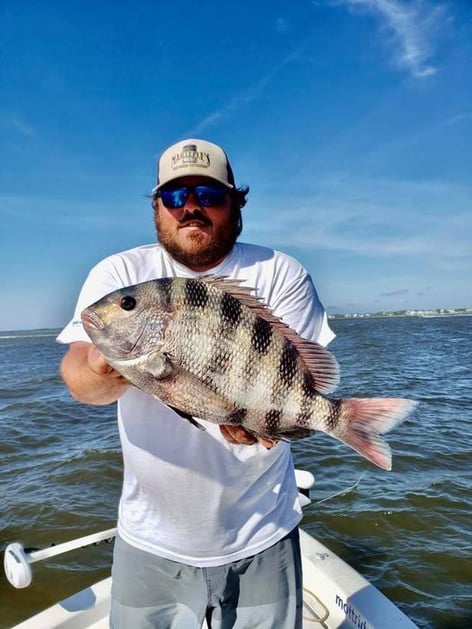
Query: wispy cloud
13,122
413,28
374,218
413,25
241,100
396,293
457,119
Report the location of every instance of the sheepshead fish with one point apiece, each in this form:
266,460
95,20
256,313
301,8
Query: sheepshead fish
209,349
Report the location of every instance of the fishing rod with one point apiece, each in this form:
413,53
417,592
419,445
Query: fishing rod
17,560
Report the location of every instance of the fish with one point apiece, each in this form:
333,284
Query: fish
210,349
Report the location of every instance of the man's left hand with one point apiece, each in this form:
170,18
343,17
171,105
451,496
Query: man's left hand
237,435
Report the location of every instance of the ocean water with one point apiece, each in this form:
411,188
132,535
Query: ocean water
409,531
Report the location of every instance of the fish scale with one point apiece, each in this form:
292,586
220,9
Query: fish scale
209,349
205,359
228,330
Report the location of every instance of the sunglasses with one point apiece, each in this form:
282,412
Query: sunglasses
207,196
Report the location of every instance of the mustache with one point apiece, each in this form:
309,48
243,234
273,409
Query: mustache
188,217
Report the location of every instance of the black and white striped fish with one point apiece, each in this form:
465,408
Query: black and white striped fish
209,349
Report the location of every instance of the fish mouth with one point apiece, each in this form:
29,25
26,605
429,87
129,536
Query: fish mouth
93,323
91,320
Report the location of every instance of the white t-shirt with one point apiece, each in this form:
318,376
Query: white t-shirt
189,495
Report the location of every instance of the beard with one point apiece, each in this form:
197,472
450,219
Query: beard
198,250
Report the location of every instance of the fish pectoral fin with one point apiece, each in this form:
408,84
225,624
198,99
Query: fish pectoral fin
188,417
161,365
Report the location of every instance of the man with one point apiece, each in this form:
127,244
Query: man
207,526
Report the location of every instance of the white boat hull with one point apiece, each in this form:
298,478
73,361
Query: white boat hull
335,596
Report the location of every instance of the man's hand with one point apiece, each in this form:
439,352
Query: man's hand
88,376
97,363
238,435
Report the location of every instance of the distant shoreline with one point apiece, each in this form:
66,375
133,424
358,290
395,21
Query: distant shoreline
466,312
5,334
426,314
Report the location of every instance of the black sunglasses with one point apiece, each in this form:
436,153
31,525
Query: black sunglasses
207,195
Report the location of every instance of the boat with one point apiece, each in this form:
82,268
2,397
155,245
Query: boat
335,595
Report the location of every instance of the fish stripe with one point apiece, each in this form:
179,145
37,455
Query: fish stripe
308,387
165,288
332,418
261,335
231,310
272,421
196,293
287,364
221,357
237,417
303,419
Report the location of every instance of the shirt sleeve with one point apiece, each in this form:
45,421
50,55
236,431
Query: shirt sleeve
102,279
295,301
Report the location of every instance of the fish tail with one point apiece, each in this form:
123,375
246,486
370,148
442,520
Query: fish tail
364,420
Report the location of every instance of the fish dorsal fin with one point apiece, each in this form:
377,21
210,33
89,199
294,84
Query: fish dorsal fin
319,361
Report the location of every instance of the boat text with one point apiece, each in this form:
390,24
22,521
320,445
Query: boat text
352,613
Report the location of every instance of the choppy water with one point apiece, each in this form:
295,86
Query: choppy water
408,531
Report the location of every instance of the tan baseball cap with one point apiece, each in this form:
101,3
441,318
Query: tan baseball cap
194,157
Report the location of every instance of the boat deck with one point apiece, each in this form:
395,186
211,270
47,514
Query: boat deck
335,596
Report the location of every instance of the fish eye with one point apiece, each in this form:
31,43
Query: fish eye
128,302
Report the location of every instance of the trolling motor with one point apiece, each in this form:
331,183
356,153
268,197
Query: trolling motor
17,561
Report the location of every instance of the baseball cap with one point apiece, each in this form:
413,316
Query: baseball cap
194,157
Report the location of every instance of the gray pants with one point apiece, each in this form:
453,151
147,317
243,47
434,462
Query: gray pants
260,592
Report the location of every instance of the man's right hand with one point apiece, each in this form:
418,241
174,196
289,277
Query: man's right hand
99,365
89,378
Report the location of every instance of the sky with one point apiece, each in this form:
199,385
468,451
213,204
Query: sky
350,120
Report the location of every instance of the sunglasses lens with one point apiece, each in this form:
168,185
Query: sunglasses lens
207,196
175,198
210,195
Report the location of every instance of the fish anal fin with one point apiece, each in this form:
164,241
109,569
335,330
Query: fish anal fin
293,434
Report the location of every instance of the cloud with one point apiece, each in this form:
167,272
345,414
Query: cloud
250,94
413,26
457,119
396,293
14,123
424,292
373,218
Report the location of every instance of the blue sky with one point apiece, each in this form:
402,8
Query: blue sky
351,121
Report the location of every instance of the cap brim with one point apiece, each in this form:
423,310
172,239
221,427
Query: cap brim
187,174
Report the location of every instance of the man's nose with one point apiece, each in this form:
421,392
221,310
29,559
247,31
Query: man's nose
192,203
